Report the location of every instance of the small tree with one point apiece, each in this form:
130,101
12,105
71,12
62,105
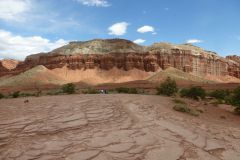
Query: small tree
168,87
68,88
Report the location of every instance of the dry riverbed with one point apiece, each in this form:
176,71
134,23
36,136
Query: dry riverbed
112,127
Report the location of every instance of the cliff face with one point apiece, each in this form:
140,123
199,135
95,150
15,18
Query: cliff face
125,55
234,63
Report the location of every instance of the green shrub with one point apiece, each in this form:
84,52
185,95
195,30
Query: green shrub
168,87
49,93
184,92
91,91
194,93
219,94
56,92
69,88
127,90
26,94
1,96
133,91
228,100
236,99
16,94
122,90
178,101
183,108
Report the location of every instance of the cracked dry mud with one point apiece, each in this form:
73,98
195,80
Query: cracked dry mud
112,127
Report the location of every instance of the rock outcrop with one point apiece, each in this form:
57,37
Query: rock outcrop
7,66
234,63
126,55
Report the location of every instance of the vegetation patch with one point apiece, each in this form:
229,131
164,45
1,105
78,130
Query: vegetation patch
91,91
179,101
15,94
26,95
168,87
194,93
236,100
219,94
69,88
185,109
1,96
127,90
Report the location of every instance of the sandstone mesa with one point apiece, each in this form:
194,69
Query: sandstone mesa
126,55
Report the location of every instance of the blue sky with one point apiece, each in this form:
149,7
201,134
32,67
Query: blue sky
32,26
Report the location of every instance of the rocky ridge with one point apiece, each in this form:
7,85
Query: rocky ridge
126,55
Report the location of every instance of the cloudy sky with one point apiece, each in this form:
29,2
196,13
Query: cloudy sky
32,26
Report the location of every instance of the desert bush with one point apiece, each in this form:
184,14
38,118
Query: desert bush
228,100
56,92
122,90
1,96
127,90
183,108
133,91
179,101
236,99
194,93
219,94
49,93
69,88
168,87
91,91
16,94
184,92
26,94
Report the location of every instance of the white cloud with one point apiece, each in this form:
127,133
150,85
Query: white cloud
18,47
194,41
13,10
118,28
145,29
139,41
97,3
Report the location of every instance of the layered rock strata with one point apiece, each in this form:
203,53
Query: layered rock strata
125,55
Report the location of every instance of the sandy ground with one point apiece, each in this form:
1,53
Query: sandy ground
114,127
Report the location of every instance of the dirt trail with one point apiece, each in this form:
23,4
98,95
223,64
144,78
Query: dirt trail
112,127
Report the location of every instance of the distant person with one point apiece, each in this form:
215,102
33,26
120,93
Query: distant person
105,91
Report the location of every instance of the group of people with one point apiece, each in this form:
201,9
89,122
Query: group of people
103,91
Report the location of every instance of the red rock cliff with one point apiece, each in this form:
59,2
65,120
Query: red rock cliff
125,55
